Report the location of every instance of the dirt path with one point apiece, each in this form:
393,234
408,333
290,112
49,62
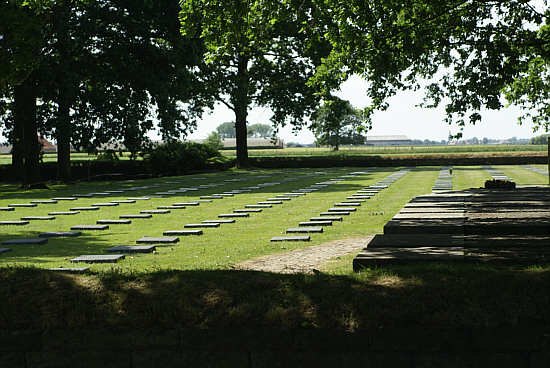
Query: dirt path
305,259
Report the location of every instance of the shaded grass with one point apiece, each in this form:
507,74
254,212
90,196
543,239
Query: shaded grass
447,296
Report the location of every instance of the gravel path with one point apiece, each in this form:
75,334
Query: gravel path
306,259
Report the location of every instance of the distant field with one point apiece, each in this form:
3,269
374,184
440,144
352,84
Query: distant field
385,150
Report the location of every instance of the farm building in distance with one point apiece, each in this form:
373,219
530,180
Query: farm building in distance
388,140
47,146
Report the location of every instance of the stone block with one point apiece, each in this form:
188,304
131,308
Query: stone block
171,207
132,249
64,199
22,205
24,241
326,218
186,204
158,240
113,222
154,212
7,208
340,209
218,221
305,229
247,210
44,201
290,238
93,208
331,213
191,226
98,258
15,223
5,250
63,213
90,227
182,232
45,218
233,215
106,204
315,223
258,206
142,216
55,234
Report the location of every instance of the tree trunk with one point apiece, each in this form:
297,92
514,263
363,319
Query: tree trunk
63,137
548,160
63,131
18,146
241,111
27,126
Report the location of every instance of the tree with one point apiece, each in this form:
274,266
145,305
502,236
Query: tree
469,51
337,122
260,131
226,130
540,139
258,53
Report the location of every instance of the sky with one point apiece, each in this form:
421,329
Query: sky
401,118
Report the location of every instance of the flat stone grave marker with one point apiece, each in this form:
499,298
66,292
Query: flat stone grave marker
204,200
315,223
124,201
163,193
55,234
182,232
190,226
229,221
90,227
46,218
158,240
247,210
170,207
63,213
186,204
64,199
290,238
69,269
132,249
7,209
93,208
88,195
25,241
295,194
345,209
22,205
114,191
270,202
224,195
312,229
304,190
258,206
212,197
142,216
44,201
155,212
356,197
245,214
332,213
18,223
355,200
5,250
98,258
113,222
100,194
326,218
139,198
278,199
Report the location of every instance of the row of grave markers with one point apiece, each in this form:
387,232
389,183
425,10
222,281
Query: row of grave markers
444,180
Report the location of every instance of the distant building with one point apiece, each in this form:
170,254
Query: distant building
47,146
388,140
253,143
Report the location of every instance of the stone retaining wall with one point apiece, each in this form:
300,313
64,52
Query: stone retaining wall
406,347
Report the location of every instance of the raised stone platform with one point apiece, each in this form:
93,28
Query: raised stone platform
55,234
98,258
132,249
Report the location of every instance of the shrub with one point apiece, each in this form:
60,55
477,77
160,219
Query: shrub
108,155
178,157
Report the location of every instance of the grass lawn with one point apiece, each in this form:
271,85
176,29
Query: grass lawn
192,283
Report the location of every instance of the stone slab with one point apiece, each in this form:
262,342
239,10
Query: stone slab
83,195
106,204
234,215
44,201
332,213
90,227
326,218
258,206
7,209
415,240
55,234
63,213
211,197
124,201
45,218
5,250
290,238
354,201
158,240
113,222
114,191
15,223
182,232
95,208
25,241
228,221
278,199
191,226
69,269
22,205
154,212
431,210
132,249
354,197
344,204
171,207
270,202
186,204
424,215
98,258
100,194
450,226
139,198
247,210
315,223
345,209
64,199
135,216
304,229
